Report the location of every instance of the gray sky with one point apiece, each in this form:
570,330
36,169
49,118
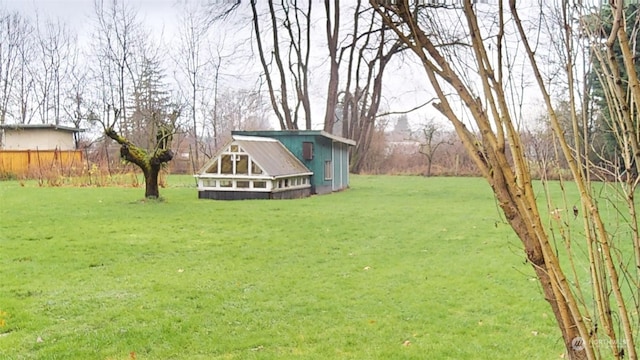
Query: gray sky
406,88
79,13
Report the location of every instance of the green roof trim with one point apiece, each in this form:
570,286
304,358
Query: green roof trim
296,132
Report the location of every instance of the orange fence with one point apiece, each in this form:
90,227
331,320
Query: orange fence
27,163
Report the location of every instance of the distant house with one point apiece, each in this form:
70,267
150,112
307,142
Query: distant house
326,155
252,167
28,148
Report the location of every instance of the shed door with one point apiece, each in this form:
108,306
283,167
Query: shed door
339,164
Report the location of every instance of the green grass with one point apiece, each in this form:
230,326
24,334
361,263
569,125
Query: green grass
393,268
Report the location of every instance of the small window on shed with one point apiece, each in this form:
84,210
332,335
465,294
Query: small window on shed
255,169
260,184
328,174
226,164
242,184
226,183
307,150
242,164
213,169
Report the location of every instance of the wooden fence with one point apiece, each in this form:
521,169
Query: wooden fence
32,163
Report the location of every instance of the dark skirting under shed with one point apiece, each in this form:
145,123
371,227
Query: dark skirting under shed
248,195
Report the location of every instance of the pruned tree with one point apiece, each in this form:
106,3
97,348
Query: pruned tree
599,306
149,161
138,112
152,109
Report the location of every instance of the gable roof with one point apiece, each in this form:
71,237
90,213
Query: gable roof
273,157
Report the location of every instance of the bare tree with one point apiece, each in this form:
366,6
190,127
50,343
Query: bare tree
333,31
430,139
279,88
497,149
55,45
15,49
25,83
213,112
117,30
78,104
370,50
192,62
235,110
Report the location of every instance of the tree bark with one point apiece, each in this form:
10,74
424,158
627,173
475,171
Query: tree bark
150,164
152,190
497,151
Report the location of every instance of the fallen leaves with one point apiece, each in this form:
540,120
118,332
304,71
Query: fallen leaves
3,322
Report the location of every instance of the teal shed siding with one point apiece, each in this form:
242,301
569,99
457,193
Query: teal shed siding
340,166
326,148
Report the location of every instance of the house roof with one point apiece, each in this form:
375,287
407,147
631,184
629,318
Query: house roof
297,132
273,157
39,126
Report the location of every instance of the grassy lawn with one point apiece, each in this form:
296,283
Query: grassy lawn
394,268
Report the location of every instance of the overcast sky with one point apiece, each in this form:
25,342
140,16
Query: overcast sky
406,88
78,14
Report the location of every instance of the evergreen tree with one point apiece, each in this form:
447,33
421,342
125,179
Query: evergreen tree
599,25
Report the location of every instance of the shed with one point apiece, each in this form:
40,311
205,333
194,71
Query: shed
326,155
250,167
38,137
26,149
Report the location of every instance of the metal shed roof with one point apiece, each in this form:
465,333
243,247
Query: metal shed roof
273,157
39,126
295,133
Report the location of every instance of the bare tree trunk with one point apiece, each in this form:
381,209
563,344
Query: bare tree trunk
152,190
282,109
150,164
332,30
